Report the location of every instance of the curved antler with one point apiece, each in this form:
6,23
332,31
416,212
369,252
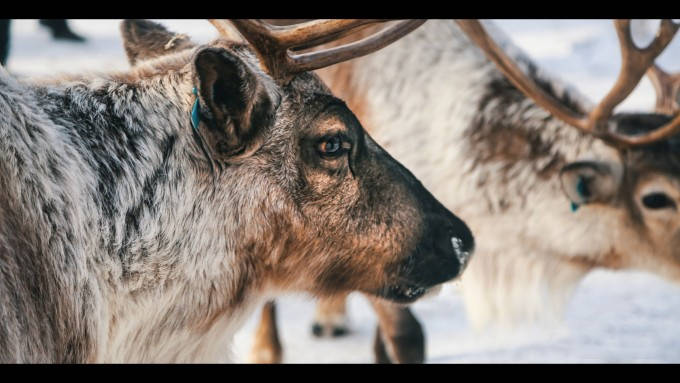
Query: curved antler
274,44
667,87
635,62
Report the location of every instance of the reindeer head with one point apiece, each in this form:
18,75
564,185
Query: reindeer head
637,196
320,206
635,199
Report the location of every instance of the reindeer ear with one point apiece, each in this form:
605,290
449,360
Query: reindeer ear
145,40
235,105
591,181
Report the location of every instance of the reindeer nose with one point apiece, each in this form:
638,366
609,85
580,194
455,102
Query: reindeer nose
462,243
450,245
463,252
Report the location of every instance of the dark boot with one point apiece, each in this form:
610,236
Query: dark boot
60,30
4,40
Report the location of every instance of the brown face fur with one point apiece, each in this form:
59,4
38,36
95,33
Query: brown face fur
641,197
335,212
653,197
360,220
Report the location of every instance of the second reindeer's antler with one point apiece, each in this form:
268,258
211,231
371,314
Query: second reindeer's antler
275,45
667,88
635,62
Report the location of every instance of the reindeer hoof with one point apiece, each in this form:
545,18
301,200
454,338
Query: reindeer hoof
329,330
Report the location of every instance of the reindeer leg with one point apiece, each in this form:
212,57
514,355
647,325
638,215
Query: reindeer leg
379,350
266,346
399,336
331,317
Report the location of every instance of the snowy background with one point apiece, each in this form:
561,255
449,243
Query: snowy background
620,317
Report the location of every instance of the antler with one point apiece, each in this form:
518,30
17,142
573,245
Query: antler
667,88
273,44
635,62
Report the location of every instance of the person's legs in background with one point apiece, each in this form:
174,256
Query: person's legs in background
4,40
60,30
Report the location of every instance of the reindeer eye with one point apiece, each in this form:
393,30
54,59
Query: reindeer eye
657,201
331,147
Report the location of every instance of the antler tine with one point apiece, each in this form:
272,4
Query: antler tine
670,129
273,43
667,89
226,29
645,60
324,58
635,62
308,33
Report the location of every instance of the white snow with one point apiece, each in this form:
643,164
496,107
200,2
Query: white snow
615,317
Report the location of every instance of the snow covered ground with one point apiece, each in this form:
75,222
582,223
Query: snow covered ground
614,317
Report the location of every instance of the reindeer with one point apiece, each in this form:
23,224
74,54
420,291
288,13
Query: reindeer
145,213
547,203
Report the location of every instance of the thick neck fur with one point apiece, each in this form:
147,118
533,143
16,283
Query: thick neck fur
106,190
490,155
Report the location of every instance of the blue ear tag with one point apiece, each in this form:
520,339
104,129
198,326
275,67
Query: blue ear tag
581,189
195,112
